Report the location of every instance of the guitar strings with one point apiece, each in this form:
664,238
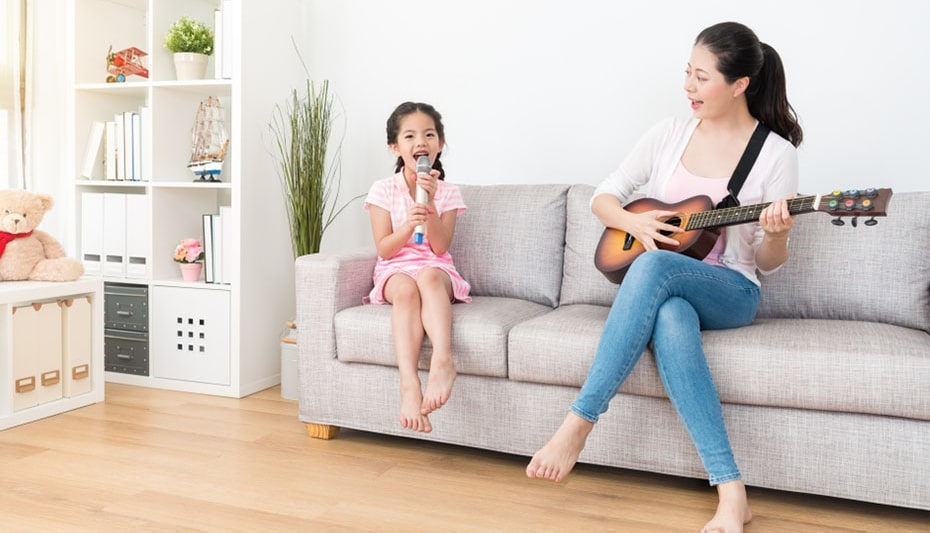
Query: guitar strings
736,215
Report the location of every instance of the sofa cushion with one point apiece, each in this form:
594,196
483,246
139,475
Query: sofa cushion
510,242
557,348
582,283
831,365
479,334
832,269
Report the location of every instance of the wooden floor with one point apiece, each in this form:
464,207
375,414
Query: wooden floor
151,460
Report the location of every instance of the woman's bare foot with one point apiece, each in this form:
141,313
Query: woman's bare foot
439,385
732,511
557,458
410,416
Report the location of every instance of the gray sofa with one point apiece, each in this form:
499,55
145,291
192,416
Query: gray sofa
827,392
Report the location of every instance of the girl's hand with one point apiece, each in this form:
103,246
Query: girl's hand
776,220
647,228
416,216
429,183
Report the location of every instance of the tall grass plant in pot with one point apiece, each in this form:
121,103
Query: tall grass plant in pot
301,128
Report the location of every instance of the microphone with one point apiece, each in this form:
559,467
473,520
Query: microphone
422,197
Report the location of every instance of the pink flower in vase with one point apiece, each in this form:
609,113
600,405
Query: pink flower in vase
189,251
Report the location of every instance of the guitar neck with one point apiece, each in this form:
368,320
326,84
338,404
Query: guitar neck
731,216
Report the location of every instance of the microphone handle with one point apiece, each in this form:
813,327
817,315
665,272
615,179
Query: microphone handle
422,198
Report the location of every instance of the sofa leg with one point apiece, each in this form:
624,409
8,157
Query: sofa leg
322,431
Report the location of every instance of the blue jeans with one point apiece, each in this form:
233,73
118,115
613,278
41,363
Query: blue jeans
668,297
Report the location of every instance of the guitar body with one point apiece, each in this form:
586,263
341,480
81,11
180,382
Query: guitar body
701,221
617,249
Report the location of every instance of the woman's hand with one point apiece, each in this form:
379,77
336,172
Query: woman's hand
648,227
776,220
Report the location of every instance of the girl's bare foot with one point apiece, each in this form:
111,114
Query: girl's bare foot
732,511
410,416
439,385
557,458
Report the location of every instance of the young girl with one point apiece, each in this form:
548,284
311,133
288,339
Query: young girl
419,280
732,82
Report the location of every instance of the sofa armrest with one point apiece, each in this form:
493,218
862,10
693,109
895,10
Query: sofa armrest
327,283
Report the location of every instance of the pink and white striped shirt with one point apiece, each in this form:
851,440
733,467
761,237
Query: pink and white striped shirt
393,194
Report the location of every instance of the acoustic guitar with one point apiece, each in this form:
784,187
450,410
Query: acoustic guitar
617,249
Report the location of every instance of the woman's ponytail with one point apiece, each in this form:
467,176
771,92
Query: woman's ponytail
767,97
740,54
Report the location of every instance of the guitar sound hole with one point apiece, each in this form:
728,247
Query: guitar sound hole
674,221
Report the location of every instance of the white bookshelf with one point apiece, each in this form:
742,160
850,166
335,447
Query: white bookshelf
240,353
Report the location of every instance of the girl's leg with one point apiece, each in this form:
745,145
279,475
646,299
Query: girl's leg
401,291
436,292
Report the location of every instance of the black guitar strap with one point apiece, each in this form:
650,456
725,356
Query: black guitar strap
745,165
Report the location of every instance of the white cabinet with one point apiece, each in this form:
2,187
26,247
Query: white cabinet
165,204
51,348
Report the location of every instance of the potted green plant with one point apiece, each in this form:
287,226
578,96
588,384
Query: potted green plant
191,41
301,129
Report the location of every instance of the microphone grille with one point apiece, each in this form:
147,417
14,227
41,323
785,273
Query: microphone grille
423,166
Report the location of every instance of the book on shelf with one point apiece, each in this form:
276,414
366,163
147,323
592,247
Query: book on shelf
224,40
92,151
218,48
111,155
145,146
208,265
218,248
125,140
119,143
135,147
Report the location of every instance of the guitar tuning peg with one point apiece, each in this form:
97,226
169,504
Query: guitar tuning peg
838,222
870,222
855,222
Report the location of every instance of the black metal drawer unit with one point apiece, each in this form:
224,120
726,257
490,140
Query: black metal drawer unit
126,337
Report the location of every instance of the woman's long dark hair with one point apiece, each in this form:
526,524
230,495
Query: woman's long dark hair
740,54
393,129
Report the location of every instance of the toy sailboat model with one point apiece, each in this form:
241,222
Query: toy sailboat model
209,141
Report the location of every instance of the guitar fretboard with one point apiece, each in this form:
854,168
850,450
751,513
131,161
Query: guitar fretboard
730,216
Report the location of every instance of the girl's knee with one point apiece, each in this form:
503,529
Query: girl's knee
432,278
401,289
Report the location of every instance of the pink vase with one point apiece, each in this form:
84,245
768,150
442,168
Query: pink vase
190,271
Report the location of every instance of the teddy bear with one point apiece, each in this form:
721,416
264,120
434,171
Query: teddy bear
27,253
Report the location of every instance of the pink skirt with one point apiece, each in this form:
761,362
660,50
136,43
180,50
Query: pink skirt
411,260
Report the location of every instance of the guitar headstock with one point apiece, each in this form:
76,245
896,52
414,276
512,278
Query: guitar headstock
869,203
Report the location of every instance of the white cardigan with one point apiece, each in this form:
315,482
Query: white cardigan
649,166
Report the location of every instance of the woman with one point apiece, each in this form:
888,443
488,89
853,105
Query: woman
732,82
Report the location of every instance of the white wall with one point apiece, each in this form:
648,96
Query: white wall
557,91
554,91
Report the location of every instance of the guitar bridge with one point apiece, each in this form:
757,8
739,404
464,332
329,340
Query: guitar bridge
628,242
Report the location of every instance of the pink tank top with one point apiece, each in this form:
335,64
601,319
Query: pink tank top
684,185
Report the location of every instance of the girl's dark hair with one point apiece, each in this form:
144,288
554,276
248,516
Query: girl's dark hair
740,54
393,129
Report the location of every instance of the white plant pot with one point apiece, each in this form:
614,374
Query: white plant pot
190,66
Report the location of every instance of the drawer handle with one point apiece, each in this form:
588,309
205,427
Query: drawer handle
124,356
80,372
51,378
25,384
124,313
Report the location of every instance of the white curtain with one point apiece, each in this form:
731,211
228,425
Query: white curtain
12,45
